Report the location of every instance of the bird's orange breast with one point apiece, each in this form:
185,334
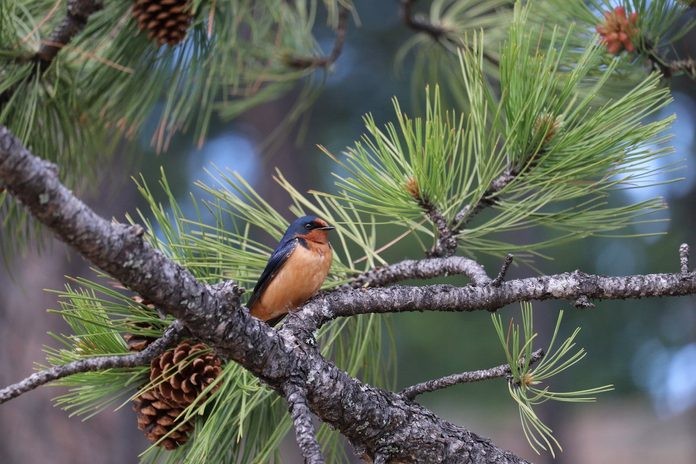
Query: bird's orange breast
299,278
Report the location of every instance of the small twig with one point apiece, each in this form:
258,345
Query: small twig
446,240
446,244
686,66
684,258
422,269
503,270
302,421
306,62
658,64
465,377
419,24
170,336
438,32
462,218
75,20
78,11
667,67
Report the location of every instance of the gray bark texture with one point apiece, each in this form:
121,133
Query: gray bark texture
388,426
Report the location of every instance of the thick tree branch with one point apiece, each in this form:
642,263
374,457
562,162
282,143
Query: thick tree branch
422,269
116,248
305,62
302,421
380,422
502,370
170,336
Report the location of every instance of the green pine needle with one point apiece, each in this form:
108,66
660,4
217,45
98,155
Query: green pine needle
526,384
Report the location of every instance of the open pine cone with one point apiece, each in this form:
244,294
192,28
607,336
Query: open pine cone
165,21
180,374
157,418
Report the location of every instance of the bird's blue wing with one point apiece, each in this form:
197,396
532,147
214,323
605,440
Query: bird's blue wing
275,263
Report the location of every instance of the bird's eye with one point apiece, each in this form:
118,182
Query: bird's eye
308,226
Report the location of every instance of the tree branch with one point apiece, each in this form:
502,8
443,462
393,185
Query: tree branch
302,421
664,65
569,286
306,62
418,24
421,269
170,336
75,20
465,377
118,249
684,258
446,241
686,66
503,270
379,421
462,218
437,32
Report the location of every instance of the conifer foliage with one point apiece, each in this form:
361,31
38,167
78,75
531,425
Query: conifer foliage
540,127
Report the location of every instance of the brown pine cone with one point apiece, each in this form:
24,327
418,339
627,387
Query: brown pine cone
181,373
165,21
138,342
135,341
157,418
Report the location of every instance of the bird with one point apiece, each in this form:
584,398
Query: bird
295,270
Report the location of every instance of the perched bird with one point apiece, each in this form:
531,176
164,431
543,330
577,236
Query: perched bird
295,270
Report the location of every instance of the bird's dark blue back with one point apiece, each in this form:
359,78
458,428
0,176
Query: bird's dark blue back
280,254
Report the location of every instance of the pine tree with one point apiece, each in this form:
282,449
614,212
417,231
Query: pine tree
526,118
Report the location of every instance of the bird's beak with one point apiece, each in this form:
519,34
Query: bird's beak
327,228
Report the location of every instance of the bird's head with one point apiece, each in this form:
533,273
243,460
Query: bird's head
310,228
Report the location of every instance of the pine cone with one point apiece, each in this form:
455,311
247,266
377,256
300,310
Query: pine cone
165,21
137,342
157,418
183,372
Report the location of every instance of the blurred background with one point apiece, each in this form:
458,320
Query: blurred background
647,349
